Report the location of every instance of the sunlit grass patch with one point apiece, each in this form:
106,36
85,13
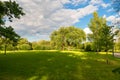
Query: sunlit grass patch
57,65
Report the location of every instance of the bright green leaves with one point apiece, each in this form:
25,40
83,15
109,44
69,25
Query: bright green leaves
67,37
102,36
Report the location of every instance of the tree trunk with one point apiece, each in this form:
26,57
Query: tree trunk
62,46
97,49
113,49
107,57
5,49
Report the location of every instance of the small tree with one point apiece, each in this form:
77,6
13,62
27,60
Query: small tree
106,38
9,34
95,26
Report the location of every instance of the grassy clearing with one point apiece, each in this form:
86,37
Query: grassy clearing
56,65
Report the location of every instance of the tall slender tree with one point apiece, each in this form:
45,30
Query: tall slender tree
96,23
106,39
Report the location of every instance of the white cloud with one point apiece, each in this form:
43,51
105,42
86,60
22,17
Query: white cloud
105,5
87,30
93,2
110,10
104,16
114,19
77,2
71,16
4,0
73,2
111,18
44,16
100,3
64,1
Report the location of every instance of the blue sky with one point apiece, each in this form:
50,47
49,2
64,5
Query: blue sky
101,11
44,16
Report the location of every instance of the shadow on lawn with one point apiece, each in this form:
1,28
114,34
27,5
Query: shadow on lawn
96,68
116,70
38,66
54,66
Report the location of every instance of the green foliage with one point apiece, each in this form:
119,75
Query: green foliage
106,38
56,65
8,32
10,47
9,9
24,47
102,36
41,45
24,44
95,26
117,46
88,46
67,37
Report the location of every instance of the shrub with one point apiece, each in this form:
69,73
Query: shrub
88,46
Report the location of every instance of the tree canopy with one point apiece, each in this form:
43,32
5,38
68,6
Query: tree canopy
67,36
9,10
102,36
96,23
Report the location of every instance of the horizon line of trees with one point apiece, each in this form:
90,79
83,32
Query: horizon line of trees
71,38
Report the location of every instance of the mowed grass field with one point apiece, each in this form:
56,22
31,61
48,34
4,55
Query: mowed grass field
58,65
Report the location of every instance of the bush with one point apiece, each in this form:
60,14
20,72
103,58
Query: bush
88,46
24,47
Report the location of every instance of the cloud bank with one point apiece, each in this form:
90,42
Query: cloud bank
44,16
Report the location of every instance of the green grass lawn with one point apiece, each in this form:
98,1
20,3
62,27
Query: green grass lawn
58,65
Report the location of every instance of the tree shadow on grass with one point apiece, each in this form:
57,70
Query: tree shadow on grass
53,66
116,70
38,66
94,67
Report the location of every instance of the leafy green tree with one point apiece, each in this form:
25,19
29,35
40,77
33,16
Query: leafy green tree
74,37
102,34
67,37
88,46
106,38
95,26
24,44
58,38
8,11
8,34
117,42
41,45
